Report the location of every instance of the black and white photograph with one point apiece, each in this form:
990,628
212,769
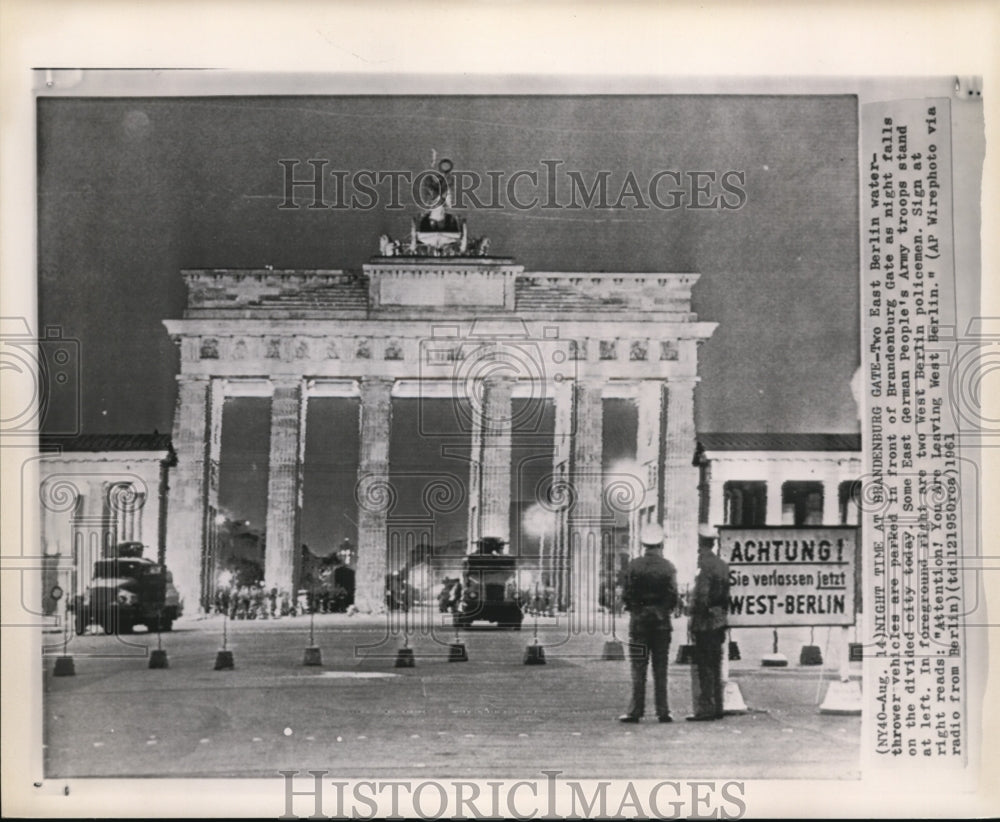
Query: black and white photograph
525,444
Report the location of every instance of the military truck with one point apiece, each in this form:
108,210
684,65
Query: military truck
127,590
489,587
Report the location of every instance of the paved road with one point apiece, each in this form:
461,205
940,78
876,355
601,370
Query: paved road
358,715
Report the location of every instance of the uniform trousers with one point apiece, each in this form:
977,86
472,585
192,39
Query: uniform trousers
649,640
708,658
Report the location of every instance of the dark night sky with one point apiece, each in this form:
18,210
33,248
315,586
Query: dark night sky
133,190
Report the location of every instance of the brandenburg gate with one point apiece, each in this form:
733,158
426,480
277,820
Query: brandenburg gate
437,316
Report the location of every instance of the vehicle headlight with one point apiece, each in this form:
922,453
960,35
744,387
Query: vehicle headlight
126,597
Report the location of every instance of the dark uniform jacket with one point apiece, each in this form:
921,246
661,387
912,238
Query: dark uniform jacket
711,595
650,581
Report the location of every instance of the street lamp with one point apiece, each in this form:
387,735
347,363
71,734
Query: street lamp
537,521
224,656
346,553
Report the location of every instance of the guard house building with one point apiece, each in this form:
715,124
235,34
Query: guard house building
96,490
753,480
438,315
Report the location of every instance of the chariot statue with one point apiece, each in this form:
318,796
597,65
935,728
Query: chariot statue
438,232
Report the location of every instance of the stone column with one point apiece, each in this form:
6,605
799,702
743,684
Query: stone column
283,475
216,402
210,548
186,496
585,518
852,511
124,501
561,493
374,495
680,480
649,452
475,529
774,480
495,489
831,495
92,530
716,496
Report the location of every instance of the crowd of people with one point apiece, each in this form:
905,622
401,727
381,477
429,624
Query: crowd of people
257,601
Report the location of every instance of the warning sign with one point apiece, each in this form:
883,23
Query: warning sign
790,576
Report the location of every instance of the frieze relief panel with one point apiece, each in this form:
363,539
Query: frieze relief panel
209,349
408,357
282,348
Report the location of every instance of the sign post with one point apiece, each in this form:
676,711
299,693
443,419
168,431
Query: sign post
313,655
784,576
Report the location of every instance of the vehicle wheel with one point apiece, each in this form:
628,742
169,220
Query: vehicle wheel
166,625
117,624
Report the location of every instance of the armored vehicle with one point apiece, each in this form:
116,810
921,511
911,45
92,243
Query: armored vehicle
489,587
127,590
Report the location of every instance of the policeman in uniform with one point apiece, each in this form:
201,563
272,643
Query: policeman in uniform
708,626
649,593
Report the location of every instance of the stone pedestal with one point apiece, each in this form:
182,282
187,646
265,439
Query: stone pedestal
374,494
534,655
224,660
64,666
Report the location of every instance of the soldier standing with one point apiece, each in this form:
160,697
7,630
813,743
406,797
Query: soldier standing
708,626
649,593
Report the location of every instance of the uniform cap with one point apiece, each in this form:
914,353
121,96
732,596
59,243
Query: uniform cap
651,535
707,532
